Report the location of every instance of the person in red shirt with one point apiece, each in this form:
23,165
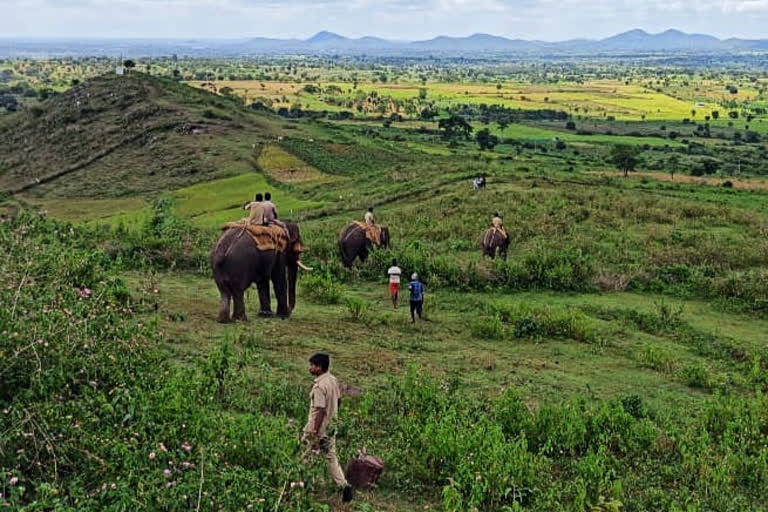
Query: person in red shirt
394,274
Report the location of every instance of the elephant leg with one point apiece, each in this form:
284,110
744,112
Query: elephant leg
226,297
363,254
224,308
281,289
265,299
239,303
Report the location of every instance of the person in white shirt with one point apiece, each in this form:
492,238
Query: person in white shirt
394,273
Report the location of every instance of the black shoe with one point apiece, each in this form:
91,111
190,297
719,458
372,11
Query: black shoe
346,495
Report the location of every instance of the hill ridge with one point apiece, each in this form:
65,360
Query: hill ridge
128,134
635,40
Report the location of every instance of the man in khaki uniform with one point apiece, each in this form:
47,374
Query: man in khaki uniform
256,211
368,217
319,433
497,221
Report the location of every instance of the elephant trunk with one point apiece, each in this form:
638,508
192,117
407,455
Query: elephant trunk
293,270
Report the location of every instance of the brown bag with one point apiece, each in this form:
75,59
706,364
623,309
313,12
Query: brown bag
364,470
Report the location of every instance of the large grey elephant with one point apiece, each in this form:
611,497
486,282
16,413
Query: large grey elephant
494,240
353,243
237,263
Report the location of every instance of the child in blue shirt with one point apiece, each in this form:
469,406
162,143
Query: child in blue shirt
417,297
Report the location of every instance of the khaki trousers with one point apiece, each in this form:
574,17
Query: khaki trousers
327,446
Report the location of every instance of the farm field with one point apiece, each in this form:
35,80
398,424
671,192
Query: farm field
598,99
616,360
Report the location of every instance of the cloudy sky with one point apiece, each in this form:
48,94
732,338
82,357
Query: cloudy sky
550,20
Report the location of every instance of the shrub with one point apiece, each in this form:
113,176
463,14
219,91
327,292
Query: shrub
535,321
696,375
654,357
357,307
322,288
489,328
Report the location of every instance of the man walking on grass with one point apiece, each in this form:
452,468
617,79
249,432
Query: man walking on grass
394,274
319,433
417,297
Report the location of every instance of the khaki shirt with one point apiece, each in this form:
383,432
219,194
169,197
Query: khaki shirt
270,212
368,218
497,223
256,213
325,394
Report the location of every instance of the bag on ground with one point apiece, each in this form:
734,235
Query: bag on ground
364,471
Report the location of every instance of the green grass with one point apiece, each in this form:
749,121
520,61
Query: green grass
385,342
211,204
525,132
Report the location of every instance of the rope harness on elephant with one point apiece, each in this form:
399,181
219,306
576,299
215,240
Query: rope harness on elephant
490,234
372,231
266,238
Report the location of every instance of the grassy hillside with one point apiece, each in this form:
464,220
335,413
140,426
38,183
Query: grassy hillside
616,361
114,136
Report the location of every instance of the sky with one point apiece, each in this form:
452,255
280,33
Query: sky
549,20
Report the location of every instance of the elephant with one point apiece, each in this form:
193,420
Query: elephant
237,263
494,240
354,244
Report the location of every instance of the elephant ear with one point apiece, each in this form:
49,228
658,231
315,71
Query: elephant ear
295,243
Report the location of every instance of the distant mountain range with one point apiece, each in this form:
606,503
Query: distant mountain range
327,43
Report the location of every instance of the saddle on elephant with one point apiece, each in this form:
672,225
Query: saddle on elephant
372,231
266,237
491,232
498,226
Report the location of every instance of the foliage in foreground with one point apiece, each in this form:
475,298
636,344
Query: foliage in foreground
95,419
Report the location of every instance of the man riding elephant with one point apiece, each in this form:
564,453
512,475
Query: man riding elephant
358,238
250,253
257,211
495,238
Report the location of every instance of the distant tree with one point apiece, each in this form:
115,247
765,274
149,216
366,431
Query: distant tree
751,137
498,87
733,114
226,91
625,158
176,74
422,93
428,114
570,125
503,124
673,163
560,145
486,140
9,102
715,115
129,64
455,126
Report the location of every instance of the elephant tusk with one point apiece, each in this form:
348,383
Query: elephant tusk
303,266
